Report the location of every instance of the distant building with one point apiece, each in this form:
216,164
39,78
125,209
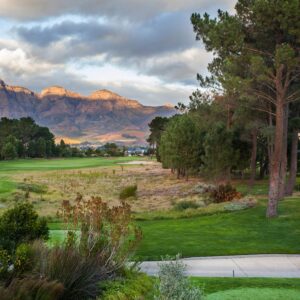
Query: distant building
136,151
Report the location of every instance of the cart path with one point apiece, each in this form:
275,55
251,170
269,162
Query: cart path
264,265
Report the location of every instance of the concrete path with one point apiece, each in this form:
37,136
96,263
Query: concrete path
286,266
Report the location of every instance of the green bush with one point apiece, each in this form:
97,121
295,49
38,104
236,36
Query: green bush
128,191
32,187
23,259
132,287
183,205
21,224
5,261
174,285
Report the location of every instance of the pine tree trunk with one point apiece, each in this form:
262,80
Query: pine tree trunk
278,155
253,158
283,169
293,167
270,142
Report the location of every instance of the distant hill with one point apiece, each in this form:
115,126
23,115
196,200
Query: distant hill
101,117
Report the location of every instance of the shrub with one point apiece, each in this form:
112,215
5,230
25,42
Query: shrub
21,224
78,274
203,188
32,289
243,203
32,187
128,191
173,285
23,259
183,205
133,287
224,193
107,240
5,261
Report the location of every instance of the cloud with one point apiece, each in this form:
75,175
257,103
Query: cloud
179,66
17,62
74,43
129,9
168,32
162,47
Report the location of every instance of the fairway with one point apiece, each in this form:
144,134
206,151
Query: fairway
244,232
24,165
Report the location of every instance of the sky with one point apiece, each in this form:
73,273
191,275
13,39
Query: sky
144,50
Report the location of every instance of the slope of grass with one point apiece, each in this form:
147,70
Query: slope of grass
243,232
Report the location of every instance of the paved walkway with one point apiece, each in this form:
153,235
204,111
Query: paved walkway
286,266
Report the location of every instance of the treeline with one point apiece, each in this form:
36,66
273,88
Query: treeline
24,138
249,117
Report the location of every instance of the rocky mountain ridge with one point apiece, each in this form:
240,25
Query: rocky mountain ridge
100,117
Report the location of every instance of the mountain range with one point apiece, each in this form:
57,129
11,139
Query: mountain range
102,117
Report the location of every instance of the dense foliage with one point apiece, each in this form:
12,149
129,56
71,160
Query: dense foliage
157,127
21,224
75,268
24,138
247,120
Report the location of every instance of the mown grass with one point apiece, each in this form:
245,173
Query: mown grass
224,288
24,165
256,293
242,232
216,284
231,233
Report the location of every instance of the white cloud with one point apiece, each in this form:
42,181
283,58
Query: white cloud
16,61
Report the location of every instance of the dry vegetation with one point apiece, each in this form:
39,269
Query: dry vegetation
158,189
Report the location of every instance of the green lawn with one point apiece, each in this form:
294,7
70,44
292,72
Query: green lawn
24,165
243,232
218,284
256,293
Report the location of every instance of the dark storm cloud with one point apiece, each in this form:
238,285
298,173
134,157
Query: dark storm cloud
167,32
